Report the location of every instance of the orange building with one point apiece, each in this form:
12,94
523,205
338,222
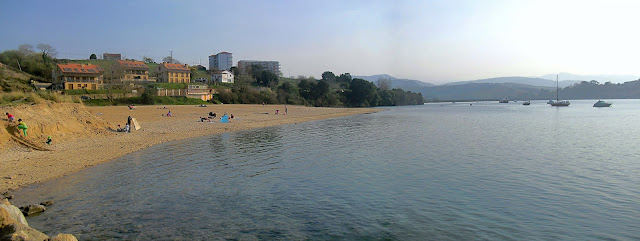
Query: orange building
174,73
78,76
131,70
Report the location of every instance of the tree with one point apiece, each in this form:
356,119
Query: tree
344,78
384,83
256,71
47,51
328,76
147,60
363,93
26,49
235,71
93,56
268,78
170,59
319,90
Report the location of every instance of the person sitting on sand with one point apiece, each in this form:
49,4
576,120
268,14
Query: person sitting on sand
132,107
202,119
48,140
232,116
22,126
169,114
126,128
10,117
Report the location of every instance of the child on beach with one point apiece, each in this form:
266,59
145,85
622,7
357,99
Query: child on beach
22,126
48,140
169,114
10,117
126,128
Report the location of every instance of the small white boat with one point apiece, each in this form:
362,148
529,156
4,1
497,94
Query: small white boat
601,103
528,102
505,100
550,102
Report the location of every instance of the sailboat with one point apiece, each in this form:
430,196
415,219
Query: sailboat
558,102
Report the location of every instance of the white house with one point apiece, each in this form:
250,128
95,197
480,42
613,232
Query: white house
224,76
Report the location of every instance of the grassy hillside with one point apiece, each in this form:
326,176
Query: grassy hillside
12,79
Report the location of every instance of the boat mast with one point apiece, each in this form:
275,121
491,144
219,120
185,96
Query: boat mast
557,89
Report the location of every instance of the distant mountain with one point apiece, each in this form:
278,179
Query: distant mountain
533,81
405,84
515,88
600,78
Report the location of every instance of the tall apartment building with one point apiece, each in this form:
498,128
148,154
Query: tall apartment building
221,61
273,66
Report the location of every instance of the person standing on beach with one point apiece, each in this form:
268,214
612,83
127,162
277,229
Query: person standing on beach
285,109
129,120
22,126
10,117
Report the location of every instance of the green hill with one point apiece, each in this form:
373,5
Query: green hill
12,79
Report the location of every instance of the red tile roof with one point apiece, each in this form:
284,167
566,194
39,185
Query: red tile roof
80,68
127,64
176,67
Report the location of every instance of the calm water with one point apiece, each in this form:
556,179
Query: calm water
436,172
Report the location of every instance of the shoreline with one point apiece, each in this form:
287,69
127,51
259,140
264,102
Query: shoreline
74,152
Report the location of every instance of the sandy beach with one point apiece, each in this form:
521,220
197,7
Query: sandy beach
91,141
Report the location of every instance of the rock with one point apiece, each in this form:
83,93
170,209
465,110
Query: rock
47,203
7,195
18,231
32,209
11,214
64,237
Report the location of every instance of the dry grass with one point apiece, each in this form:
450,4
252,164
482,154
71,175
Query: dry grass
18,98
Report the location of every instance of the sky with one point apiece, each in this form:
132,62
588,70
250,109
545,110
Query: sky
435,41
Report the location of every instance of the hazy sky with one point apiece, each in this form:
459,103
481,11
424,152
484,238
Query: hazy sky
434,41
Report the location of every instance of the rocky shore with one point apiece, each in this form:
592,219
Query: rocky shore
14,226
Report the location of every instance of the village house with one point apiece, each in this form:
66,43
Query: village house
128,70
224,76
78,76
196,91
174,73
199,91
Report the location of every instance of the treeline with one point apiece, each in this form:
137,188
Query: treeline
38,63
595,90
330,91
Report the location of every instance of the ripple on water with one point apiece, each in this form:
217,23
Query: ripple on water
450,172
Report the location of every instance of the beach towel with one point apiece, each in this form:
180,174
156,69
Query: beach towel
224,119
136,126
